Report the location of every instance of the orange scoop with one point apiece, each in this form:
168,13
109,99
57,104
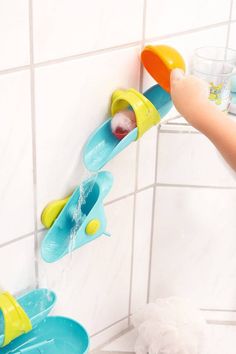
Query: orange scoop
159,60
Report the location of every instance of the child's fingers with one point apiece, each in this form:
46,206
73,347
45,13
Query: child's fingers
176,75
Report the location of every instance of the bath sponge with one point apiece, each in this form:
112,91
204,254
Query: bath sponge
123,123
169,326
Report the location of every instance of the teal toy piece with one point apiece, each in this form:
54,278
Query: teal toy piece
37,304
102,145
233,84
54,335
81,220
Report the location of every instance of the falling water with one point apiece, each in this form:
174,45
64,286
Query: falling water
58,280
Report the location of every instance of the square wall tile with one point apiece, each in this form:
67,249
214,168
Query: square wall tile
123,168
186,44
19,261
194,246
141,257
72,99
168,17
147,158
14,33
232,38
220,339
64,28
16,178
93,284
193,160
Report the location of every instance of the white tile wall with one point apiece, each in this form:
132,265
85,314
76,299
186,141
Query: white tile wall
234,10
73,27
143,229
168,17
16,187
14,33
147,158
232,38
17,265
194,246
82,51
190,158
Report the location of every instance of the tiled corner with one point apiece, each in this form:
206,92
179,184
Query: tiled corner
93,284
65,119
16,188
141,251
14,33
147,158
190,158
166,17
107,334
124,343
64,28
194,246
17,261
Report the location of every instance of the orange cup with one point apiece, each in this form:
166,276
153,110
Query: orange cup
159,60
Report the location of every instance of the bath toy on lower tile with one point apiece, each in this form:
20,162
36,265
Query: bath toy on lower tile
26,328
54,335
80,221
20,315
149,108
159,61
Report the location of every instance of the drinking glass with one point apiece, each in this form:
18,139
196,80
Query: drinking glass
216,65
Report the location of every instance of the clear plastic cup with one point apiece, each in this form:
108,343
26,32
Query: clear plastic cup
216,65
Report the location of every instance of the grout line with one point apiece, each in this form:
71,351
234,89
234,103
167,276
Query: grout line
140,190
221,322
111,325
194,186
14,70
119,198
86,54
136,171
182,33
176,131
218,310
113,338
133,234
33,123
153,217
229,25
20,238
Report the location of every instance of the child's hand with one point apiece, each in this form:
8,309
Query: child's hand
190,97
189,94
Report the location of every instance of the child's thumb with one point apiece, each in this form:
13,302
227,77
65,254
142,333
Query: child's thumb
176,75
